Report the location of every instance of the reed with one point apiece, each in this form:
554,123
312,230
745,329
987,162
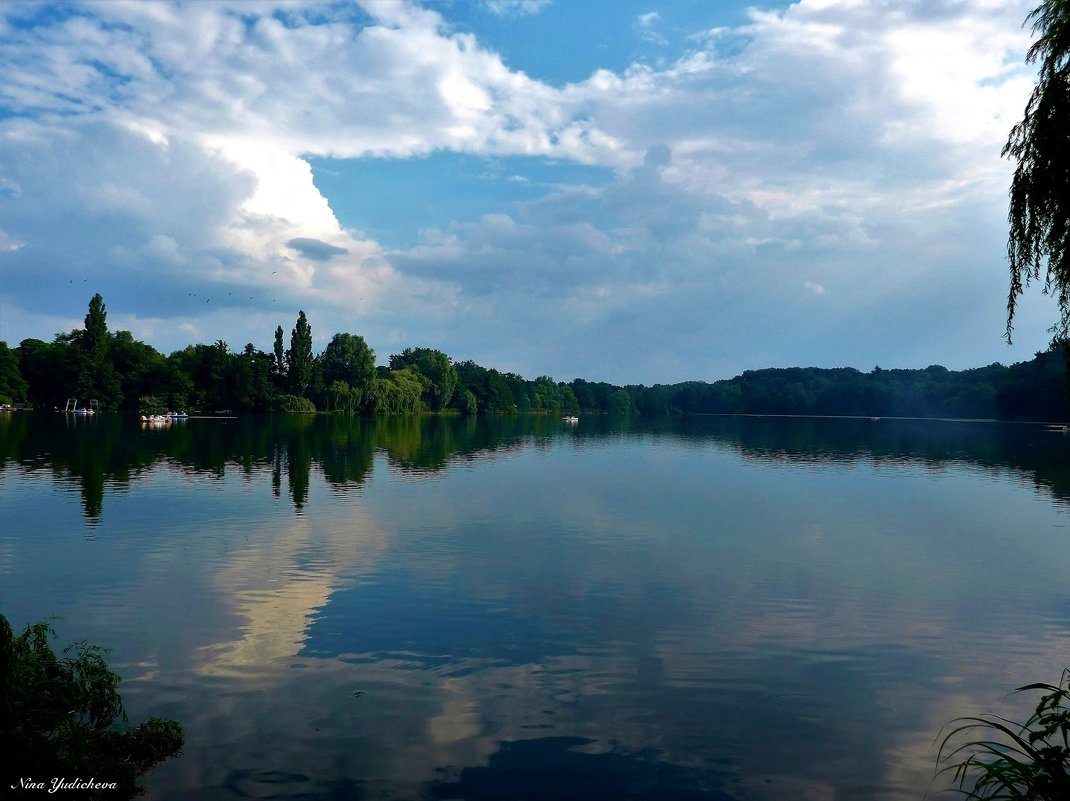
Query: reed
1002,759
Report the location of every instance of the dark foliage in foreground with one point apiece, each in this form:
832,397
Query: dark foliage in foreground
1038,244
1007,760
61,717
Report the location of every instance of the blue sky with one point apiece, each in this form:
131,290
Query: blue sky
635,192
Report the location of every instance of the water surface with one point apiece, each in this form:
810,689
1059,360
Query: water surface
714,608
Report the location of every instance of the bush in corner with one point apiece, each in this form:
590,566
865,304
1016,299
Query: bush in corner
61,717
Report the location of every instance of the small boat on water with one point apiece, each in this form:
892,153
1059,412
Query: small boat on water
570,418
73,407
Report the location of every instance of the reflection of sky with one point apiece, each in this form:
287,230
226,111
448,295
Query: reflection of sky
616,608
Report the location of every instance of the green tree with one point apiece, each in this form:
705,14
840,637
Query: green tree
62,716
13,386
209,375
347,358
568,398
97,379
95,337
252,379
178,387
45,367
1039,213
546,395
299,357
435,367
340,397
465,401
499,395
518,388
397,392
140,368
278,362
620,403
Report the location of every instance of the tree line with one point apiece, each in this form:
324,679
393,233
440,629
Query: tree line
122,373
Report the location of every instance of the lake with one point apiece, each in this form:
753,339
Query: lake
518,608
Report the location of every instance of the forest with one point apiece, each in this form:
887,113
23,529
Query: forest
121,373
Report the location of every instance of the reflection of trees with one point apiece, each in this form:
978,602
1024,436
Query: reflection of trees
418,443
92,451
1030,449
298,450
111,450
348,450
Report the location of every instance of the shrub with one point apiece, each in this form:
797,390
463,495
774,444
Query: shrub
294,404
62,717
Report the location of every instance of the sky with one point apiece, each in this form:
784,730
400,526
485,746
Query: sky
633,192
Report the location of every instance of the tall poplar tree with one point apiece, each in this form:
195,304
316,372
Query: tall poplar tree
278,366
299,356
95,336
96,377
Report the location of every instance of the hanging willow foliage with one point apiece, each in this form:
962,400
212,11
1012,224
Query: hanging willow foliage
1039,213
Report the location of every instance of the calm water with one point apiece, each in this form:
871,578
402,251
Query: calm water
718,608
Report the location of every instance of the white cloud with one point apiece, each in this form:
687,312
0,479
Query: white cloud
9,244
645,23
852,143
513,7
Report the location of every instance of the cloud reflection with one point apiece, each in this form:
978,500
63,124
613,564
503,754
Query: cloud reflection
275,588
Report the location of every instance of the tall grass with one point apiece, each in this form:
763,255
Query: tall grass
1002,759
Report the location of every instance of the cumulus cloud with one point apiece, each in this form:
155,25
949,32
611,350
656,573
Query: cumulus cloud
838,145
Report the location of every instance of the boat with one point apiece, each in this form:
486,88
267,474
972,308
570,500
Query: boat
73,407
570,418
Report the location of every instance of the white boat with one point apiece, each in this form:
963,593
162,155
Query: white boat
72,407
570,418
